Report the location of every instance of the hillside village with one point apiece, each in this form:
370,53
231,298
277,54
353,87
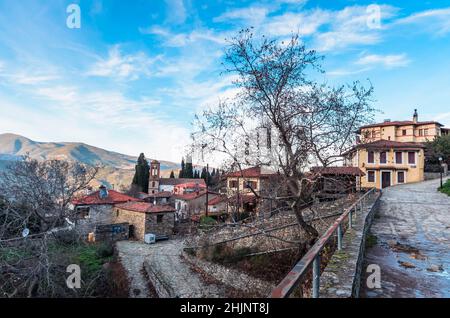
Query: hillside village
264,167
182,210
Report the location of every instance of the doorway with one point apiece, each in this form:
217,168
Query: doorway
385,179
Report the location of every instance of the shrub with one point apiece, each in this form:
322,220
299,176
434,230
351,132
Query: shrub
105,250
445,188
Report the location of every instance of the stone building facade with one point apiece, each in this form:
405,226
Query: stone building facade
145,218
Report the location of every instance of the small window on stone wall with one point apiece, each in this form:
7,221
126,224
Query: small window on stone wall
159,218
117,213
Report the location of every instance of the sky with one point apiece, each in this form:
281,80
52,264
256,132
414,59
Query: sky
133,75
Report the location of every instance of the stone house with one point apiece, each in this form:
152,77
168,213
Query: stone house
97,209
146,218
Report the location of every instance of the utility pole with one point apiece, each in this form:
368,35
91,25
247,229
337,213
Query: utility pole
206,204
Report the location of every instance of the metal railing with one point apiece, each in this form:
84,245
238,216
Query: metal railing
312,258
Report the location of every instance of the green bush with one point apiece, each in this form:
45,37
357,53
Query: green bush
446,188
105,250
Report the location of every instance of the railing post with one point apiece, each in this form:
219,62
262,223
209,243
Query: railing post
316,276
339,236
350,221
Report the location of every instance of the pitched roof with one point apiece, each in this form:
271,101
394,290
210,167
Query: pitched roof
339,171
145,207
95,199
217,200
176,181
386,145
400,123
162,194
190,196
192,184
253,172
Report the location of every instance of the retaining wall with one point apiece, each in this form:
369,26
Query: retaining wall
342,275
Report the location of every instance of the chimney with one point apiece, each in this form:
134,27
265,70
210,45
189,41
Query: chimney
103,192
415,116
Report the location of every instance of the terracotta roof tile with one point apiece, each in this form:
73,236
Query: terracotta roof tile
400,123
177,181
349,171
145,207
254,172
113,197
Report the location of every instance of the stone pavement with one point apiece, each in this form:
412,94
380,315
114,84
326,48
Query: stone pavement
412,232
163,258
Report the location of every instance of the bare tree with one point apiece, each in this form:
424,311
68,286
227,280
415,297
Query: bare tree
36,195
43,190
282,118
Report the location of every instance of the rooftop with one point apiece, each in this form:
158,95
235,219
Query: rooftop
177,181
342,171
145,207
400,123
254,172
94,198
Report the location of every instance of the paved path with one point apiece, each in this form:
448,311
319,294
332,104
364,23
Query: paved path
164,259
413,242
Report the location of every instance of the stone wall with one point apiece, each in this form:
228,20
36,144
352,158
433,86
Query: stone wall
164,227
112,232
342,275
136,219
98,214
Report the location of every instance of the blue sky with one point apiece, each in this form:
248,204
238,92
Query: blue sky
135,73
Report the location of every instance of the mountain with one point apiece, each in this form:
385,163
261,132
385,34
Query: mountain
117,169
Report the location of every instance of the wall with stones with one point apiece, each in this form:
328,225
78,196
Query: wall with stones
165,227
137,219
98,214
342,275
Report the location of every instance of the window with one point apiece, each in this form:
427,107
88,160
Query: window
233,184
117,213
83,212
251,184
374,134
366,134
371,157
383,157
412,158
425,131
370,176
159,218
401,177
399,157
420,132
404,132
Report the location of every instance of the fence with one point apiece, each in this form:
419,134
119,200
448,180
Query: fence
312,259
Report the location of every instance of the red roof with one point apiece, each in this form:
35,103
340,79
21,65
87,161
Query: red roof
217,200
176,181
191,185
145,207
190,196
254,172
349,171
400,123
388,144
113,197
162,194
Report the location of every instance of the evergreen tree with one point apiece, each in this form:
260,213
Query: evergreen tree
189,172
203,175
141,174
183,169
172,175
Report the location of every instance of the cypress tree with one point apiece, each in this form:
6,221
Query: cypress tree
189,173
141,174
172,175
183,169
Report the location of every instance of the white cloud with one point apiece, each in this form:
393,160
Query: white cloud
388,61
251,15
120,66
176,11
436,21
